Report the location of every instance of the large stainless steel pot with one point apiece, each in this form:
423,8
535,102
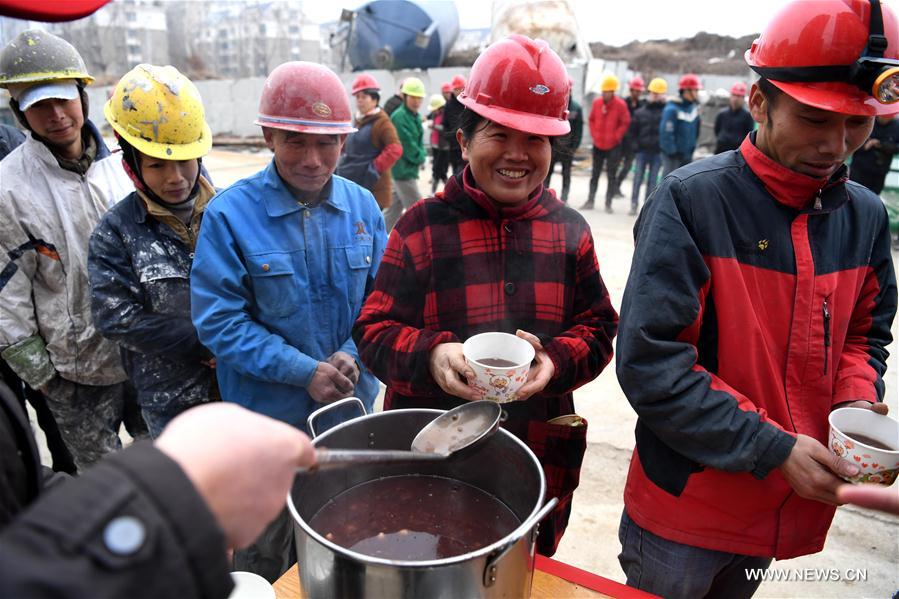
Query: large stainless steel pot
502,466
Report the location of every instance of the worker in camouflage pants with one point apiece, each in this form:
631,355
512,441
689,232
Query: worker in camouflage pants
54,188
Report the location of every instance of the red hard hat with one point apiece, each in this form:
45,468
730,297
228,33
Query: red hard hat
520,83
50,11
363,82
689,81
637,83
305,97
458,82
738,89
808,35
446,87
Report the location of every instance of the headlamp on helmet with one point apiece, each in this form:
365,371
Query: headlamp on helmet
872,73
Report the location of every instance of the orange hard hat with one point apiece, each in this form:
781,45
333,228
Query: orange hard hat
834,55
307,98
522,84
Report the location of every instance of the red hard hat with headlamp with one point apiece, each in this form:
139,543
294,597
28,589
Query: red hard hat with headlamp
841,56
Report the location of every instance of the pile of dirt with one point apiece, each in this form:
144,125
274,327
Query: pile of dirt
704,53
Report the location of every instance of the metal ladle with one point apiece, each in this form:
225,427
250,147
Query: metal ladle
454,430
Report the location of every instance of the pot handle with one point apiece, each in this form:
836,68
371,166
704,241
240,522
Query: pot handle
496,556
328,407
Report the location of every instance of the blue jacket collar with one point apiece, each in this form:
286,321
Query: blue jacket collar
281,202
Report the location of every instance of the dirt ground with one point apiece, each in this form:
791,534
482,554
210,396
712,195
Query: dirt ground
861,557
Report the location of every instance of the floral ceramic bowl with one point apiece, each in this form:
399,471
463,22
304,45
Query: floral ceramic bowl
500,362
868,440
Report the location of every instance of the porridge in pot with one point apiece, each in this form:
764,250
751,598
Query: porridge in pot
414,518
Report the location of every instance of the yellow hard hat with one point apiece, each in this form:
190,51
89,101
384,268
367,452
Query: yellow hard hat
609,84
413,86
437,101
658,86
159,112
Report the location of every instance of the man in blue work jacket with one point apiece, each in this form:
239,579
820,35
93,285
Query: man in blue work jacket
282,265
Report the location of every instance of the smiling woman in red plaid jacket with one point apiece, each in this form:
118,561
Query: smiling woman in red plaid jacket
497,252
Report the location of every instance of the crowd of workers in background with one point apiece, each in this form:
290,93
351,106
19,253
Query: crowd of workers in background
647,133
133,290
656,134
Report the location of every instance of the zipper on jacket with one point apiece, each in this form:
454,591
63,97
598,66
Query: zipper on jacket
826,313
818,204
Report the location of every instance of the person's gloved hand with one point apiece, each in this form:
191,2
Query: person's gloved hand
242,463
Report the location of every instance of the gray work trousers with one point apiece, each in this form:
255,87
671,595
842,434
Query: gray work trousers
405,193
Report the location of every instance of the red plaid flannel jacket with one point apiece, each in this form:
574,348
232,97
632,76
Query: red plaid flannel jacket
457,265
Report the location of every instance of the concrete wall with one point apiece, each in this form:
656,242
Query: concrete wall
232,104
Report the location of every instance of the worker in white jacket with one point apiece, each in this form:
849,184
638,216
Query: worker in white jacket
53,190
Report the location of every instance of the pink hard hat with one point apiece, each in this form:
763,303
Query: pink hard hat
305,97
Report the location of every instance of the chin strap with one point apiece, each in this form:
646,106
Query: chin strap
131,164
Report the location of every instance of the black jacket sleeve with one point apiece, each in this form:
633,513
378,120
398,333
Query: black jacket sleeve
64,544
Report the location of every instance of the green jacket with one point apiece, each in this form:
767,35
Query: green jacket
408,127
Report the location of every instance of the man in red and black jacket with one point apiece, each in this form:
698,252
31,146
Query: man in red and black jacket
760,298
